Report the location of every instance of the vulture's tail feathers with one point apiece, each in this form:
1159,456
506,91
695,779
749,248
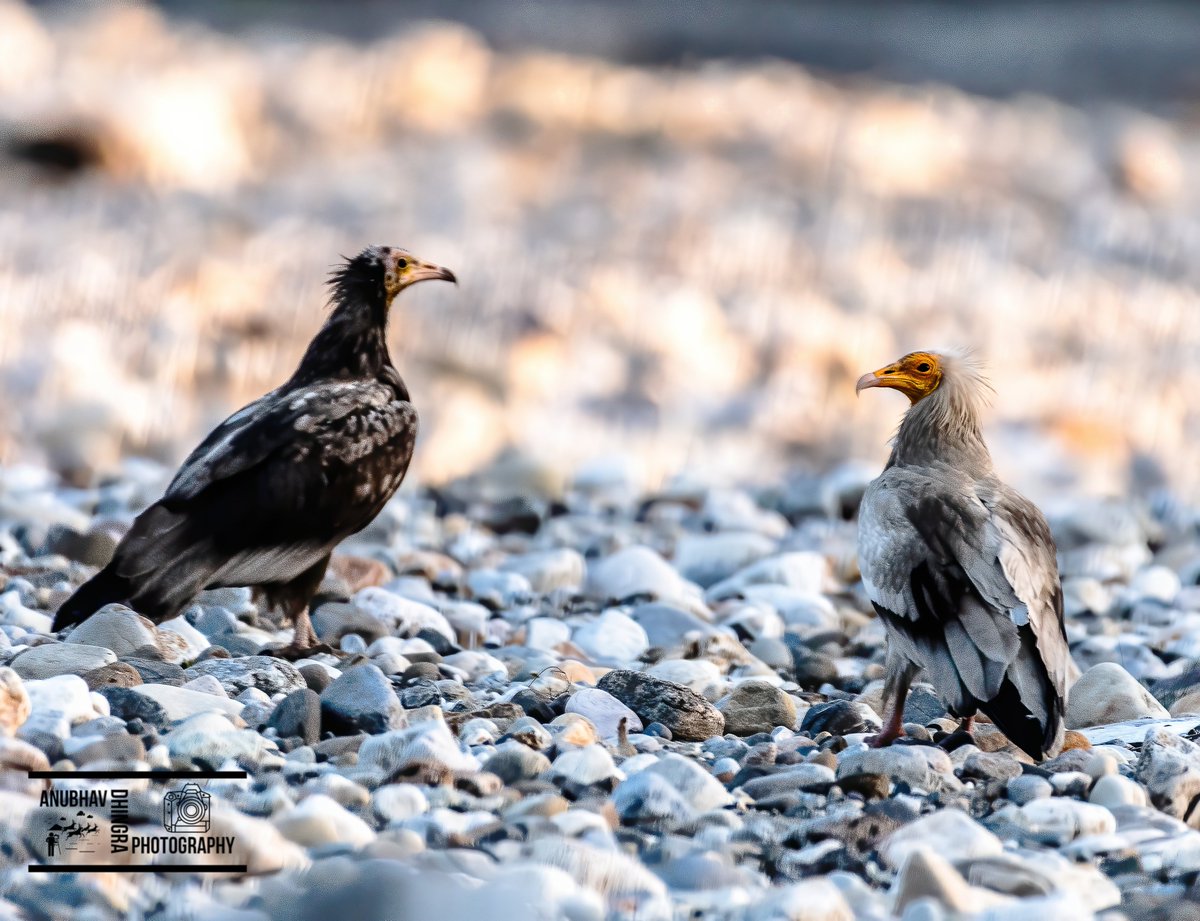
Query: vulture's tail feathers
1028,709
158,568
103,588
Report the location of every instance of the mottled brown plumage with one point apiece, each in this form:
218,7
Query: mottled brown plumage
274,488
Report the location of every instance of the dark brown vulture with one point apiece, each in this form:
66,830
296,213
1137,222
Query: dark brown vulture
274,488
960,567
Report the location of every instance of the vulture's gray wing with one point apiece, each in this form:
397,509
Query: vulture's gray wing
966,584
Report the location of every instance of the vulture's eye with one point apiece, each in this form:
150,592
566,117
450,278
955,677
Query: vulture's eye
923,367
401,263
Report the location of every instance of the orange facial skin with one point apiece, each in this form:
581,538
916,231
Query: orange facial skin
916,375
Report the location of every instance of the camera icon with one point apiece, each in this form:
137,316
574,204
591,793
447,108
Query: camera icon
186,810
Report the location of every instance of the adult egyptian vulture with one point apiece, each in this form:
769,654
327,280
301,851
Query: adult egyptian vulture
960,567
274,488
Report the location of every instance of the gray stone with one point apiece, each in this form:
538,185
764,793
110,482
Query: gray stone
266,673
115,627
362,699
52,659
337,619
689,716
298,714
757,706
920,766
514,762
635,572
128,705
666,625
1169,769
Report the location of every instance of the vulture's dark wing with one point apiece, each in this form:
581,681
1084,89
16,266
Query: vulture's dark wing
339,417
265,497
964,574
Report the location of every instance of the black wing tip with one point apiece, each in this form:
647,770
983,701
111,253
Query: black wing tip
1010,715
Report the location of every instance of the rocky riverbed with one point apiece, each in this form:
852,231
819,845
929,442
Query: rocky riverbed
595,704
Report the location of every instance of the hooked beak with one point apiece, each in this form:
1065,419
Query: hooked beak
428,272
870,379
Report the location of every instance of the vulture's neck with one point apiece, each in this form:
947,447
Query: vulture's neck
944,429
352,344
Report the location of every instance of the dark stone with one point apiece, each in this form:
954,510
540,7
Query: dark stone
689,716
441,645
362,699
868,786
519,515
298,714
239,645
813,670
922,707
130,705
115,674
214,622
317,678
420,695
540,707
1076,759
421,670
838,718
95,548
658,731
334,620
155,671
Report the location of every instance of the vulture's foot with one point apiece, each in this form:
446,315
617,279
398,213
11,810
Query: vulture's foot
886,737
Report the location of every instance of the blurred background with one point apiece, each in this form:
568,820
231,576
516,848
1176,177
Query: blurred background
681,230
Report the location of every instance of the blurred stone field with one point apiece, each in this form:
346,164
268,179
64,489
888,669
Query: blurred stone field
680,267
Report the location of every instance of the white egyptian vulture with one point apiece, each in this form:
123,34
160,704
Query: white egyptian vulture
960,567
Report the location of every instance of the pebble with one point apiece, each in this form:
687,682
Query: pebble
757,706
1025,788
549,570
949,831
115,627
612,638
298,714
268,674
635,572
1106,693
604,710
688,716
181,703
920,766
61,659
318,820
362,699
15,705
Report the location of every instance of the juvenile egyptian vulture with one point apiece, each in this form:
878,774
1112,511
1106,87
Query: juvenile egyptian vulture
960,567
274,488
